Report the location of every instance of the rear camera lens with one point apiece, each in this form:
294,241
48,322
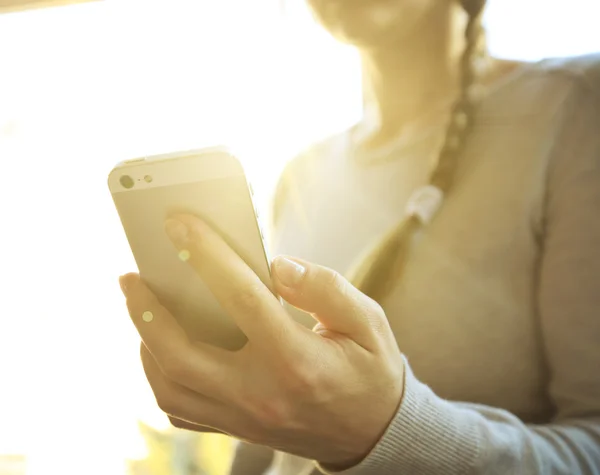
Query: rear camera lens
126,182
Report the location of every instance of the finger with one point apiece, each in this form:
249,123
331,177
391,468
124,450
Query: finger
185,408
149,367
202,368
184,425
335,303
238,289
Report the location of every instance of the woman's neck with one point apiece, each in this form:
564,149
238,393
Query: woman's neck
406,82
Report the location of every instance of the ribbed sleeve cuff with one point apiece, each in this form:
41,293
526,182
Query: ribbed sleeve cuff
427,435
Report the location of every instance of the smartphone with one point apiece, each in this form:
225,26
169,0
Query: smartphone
211,184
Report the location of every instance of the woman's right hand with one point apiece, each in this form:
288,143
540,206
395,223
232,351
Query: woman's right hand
300,391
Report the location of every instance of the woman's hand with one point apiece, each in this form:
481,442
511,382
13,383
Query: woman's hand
326,394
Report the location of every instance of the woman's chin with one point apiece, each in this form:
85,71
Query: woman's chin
371,26
365,38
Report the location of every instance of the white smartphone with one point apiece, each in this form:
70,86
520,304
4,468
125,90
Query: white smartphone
211,184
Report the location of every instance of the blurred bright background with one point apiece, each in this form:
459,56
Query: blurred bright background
84,86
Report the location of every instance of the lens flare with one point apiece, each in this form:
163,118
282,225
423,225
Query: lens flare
147,317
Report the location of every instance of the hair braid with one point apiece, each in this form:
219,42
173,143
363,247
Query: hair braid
376,273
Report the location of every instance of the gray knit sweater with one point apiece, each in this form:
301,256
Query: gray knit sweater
498,313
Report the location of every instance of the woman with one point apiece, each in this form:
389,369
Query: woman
466,204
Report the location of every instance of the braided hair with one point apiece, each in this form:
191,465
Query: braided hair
377,272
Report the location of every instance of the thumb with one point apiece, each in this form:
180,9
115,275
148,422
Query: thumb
330,298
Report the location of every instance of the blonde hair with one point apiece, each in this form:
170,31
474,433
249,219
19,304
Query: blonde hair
381,267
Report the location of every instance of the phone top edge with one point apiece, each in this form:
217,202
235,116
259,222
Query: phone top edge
173,166
185,153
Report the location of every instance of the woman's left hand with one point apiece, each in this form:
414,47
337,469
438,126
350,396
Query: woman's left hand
327,394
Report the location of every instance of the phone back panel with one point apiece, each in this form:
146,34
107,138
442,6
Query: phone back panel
210,184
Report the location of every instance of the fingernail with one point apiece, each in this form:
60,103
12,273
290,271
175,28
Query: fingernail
176,230
289,272
126,281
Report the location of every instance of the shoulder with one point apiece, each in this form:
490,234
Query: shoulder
575,82
579,76
304,167
573,174
578,120
547,88
582,71
567,93
315,154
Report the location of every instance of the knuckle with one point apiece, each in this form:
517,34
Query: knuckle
272,413
174,368
303,379
255,433
340,292
335,282
167,402
166,406
377,312
250,427
304,382
178,423
377,319
247,298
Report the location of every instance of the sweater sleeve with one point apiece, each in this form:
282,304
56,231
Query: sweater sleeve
429,435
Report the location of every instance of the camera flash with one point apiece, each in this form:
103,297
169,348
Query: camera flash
148,179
